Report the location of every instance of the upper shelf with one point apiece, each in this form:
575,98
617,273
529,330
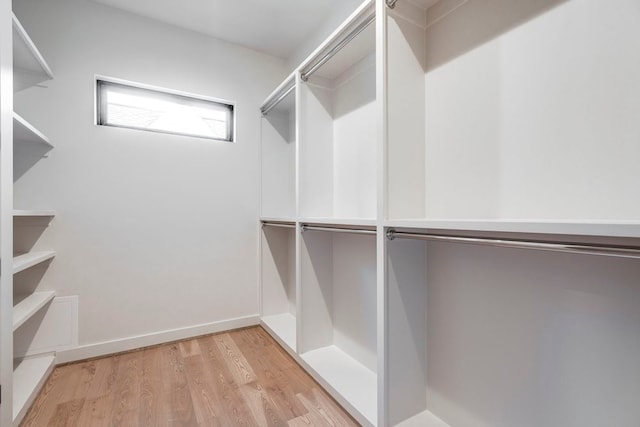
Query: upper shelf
568,227
29,66
25,133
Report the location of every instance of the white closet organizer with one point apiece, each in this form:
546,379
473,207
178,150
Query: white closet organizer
29,373
491,153
278,282
338,138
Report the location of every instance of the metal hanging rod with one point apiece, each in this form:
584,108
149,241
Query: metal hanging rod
272,103
345,41
277,224
391,3
590,249
336,229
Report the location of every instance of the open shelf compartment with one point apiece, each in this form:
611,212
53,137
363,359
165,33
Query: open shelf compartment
278,282
29,305
338,139
483,140
338,339
29,66
29,375
278,152
30,259
503,332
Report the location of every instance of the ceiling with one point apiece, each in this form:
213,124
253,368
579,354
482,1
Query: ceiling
275,27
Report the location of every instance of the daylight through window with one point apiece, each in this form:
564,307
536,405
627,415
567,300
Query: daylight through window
134,107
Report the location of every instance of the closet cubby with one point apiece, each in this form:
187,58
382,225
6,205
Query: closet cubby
338,134
278,153
278,281
494,123
504,336
339,317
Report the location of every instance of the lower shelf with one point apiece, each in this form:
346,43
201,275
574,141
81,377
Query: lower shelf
28,378
284,327
357,384
423,419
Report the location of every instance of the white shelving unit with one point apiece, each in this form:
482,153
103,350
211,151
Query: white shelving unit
424,124
22,378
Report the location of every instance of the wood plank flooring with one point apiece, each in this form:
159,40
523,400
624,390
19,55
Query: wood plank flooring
240,378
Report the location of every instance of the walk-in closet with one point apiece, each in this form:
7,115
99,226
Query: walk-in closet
411,213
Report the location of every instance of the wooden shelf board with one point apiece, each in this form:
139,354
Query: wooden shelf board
28,378
29,66
564,227
423,419
29,306
24,261
353,382
32,213
25,133
283,326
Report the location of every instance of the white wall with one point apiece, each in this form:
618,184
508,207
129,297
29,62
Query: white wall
153,232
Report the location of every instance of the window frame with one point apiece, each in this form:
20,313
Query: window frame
100,106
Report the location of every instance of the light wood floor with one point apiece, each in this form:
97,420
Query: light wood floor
240,378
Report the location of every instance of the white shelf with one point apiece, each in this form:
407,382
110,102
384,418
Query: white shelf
25,133
566,227
349,378
356,222
28,378
29,306
283,326
32,213
423,419
284,220
24,261
29,66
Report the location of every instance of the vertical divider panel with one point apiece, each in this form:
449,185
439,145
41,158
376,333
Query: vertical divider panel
405,96
6,212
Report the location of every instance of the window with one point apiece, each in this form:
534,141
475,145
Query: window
134,107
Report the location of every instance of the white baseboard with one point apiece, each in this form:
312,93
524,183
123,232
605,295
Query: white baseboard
131,343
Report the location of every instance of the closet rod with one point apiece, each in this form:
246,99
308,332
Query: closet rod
327,56
336,229
269,106
277,224
589,249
